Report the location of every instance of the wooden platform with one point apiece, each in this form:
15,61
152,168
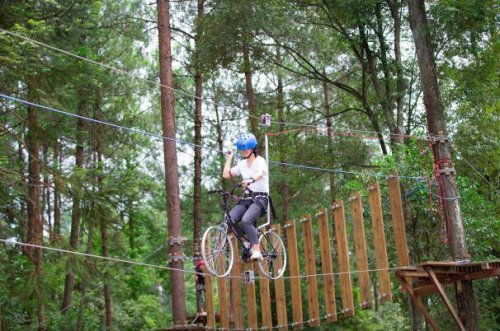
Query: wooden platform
430,277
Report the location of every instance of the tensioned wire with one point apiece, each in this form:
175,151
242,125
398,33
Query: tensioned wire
120,127
186,271
187,94
130,74
98,287
138,263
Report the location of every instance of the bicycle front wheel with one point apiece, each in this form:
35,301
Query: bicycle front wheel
273,251
217,251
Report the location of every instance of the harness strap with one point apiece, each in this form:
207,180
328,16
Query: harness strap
249,194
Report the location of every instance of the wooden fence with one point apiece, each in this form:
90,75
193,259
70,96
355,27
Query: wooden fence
272,298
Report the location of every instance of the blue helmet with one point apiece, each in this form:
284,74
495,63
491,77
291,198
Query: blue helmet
246,141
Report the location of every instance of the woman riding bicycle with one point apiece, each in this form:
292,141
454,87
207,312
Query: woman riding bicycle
253,169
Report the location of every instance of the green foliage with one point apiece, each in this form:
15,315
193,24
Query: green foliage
121,184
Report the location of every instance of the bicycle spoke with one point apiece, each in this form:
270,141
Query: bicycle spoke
217,251
273,250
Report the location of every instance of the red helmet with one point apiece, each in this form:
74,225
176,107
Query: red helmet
201,263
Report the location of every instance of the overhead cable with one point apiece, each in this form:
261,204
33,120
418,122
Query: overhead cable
130,74
120,127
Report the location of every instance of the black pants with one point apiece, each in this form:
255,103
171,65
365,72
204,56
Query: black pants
245,215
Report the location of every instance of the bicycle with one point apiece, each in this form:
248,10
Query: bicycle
217,248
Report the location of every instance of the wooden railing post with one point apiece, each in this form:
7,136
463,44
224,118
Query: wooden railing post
380,245
237,309
209,295
398,219
343,256
326,262
223,295
312,282
358,230
265,300
293,258
279,285
251,300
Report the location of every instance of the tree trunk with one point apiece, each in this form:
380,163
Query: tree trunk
383,52
171,167
131,224
400,85
23,231
282,152
35,226
57,195
437,126
107,290
108,305
197,136
252,111
80,323
75,213
220,144
372,70
371,116
46,194
331,158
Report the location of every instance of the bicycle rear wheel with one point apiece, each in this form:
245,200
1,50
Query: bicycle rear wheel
217,251
273,251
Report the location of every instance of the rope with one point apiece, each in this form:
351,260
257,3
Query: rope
124,72
120,127
138,263
346,133
497,190
343,171
280,326
113,259
107,66
107,123
73,303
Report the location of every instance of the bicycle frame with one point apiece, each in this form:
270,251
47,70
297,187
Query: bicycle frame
228,222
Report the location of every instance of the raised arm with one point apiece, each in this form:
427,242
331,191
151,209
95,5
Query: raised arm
226,173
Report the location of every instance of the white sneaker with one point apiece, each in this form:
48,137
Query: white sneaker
256,256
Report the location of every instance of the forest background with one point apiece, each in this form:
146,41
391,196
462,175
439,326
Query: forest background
346,69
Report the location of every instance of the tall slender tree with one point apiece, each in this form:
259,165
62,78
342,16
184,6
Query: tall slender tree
35,225
171,167
436,124
75,214
197,217
280,95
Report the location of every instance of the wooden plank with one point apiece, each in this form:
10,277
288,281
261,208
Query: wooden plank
222,283
384,281
417,302
326,262
236,307
312,282
425,289
209,295
358,229
265,300
398,219
343,257
293,259
446,301
251,299
279,286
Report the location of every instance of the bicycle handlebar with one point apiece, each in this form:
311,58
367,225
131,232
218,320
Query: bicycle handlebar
222,192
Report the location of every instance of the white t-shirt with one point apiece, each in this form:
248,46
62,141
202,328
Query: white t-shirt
258,165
